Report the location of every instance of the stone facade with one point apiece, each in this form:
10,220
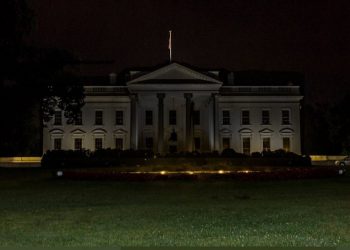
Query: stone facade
175,108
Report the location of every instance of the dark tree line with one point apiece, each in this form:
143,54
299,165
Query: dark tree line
327,127
33,82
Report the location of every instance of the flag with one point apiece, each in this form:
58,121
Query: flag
169,46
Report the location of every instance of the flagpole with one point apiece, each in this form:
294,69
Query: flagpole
170,47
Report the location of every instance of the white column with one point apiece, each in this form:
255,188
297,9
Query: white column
216,115
160,97
134,123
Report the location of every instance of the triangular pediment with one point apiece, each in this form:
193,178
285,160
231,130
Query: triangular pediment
120,131
174,73
78,131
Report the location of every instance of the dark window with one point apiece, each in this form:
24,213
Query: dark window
245,117
119,117
149,142
265,114
197,143
119,143
226,117
285,117
226,142
266,144
172,117
246,146
98,117
172,149
286,144
79,120
57,144
58,118
149,117
196,117
98,143
78,144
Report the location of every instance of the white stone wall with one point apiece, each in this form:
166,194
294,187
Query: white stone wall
88,131
256,130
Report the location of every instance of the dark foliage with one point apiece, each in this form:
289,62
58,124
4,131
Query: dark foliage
32,76
229,152
98,158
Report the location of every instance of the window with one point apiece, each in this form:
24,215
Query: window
286,144
149,117
58,118
79,120
285,117
98,117
172,149
245,117
119,117
265,117
246,146
119,143
196,117
197,143
172,117
226,117
149,142
266,144
98,143
57,144
78,144
226,142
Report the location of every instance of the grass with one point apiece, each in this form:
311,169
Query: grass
36,210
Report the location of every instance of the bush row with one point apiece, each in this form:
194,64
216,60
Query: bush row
113,157
98,158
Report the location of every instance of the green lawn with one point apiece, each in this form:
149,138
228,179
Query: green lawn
38,211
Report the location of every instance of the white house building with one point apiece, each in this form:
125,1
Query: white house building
175,108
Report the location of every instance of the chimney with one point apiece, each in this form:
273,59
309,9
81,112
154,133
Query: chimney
112,78
231,79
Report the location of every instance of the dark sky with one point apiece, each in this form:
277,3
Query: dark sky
312,37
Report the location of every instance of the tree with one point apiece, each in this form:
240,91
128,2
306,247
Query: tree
339,123
33,82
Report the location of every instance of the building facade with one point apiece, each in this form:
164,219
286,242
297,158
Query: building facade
175,108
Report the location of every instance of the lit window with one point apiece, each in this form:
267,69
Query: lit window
246,146
226,117
119,117
57,144
197,143
78,144
285,117
265,115
226,142
98,143
266,144
98,117
149,142
286,144
149,117
172,117
196,117
245,117
58,118
119,143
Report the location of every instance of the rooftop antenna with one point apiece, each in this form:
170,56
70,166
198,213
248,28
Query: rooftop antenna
169,47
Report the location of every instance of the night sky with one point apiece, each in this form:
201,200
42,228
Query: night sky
312,37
